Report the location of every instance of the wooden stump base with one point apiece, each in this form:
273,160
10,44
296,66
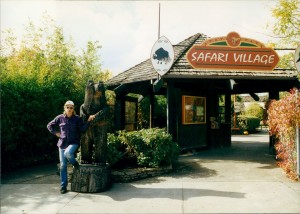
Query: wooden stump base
91,178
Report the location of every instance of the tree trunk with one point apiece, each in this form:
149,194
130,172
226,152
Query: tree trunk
91,178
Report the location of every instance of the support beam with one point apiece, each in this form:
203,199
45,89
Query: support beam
157,85
272,95
171,109
254,96
226,127
119,114
297,140
151,115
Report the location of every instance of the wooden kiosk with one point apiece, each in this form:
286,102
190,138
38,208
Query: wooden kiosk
204,69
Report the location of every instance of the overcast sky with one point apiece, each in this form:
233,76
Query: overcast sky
127,30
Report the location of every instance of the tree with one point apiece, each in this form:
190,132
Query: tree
287,25
287,29
38,74
90,66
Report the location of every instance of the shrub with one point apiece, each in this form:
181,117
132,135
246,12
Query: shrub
114,148
26,109
119,154
151,147
254,109
283,117
249,123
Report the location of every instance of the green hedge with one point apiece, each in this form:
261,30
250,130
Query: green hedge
26,108
151,147
249,123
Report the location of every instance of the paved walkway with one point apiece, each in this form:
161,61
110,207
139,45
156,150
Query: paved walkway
240,179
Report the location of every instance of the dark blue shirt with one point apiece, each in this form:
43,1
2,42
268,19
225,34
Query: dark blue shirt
69,128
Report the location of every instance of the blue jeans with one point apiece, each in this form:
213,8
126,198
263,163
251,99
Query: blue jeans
66,155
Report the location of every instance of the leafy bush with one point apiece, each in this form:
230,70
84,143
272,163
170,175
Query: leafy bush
115,148
254,109
283,117
151,147
249,123
26,109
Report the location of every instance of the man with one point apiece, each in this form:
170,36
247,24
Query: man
67,127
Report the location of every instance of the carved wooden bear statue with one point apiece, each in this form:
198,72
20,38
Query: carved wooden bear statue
96,135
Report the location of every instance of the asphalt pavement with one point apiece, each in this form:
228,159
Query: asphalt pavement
241,179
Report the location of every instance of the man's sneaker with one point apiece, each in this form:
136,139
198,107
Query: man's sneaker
76,165
63,190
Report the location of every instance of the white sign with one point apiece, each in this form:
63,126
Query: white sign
162,55
297,58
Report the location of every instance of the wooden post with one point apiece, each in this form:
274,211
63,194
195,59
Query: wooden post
90,178
171,111
151,115
226,127
272,141
119,113
234,113
297,137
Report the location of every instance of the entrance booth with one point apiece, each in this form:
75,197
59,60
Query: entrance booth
204,70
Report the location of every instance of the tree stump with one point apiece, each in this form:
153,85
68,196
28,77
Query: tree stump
90,178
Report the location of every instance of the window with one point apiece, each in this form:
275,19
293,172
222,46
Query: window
130,115
221,108
193,110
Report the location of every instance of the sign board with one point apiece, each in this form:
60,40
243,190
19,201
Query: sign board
162,55
297,58
232,52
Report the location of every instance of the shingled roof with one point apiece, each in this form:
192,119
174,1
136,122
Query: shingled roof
145,71
182,69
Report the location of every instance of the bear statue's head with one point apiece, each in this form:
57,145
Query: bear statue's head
95,99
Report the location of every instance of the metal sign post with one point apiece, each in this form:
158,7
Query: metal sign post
297,58
297,139
297,65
